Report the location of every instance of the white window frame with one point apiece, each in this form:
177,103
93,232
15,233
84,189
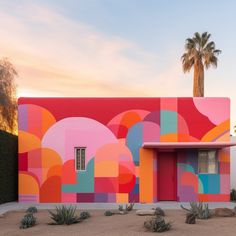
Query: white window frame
216,161
81,161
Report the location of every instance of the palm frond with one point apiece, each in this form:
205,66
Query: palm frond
217,52
205,37
187,62
198,48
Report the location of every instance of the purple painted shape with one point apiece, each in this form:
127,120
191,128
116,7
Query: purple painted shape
153,117
181,157
187,194
133,197
111,197
28,198
23,117
85,197
101,197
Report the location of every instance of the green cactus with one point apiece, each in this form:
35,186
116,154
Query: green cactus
233,195
120,208
157,224
159,212
84,215
108,213
32,209
190,218
28,221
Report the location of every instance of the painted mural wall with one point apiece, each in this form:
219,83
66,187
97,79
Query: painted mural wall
118,169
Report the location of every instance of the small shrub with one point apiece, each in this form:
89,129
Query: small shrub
129,207
64,215
84,215
159,212
27,221
32,209
157,224
233,195
108,213
190,218
120,208
200,209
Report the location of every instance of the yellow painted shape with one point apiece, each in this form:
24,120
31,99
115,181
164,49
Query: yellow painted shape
27,184
47,120
108,168
217,131
54,171
129,119
122,198
224,155
50,158
169,138
224,137
27,141
146,175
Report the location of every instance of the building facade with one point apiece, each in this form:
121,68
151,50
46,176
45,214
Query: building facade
124,149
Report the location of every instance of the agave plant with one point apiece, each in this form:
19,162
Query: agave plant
27,221
201,210
129,207
64,215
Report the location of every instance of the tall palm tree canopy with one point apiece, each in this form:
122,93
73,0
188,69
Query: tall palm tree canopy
199,53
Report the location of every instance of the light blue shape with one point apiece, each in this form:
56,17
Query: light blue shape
134,140
168,122
210,182
200,186
85,181
186,167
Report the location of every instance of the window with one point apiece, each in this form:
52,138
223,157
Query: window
80,158
207,162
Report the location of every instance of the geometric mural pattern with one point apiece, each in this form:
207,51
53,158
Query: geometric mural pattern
118,169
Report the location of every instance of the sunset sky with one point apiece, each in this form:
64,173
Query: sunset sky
115,47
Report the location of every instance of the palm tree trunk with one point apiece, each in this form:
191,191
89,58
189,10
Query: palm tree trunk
198,83
201,79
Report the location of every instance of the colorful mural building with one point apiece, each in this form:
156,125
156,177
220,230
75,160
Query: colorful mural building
124,149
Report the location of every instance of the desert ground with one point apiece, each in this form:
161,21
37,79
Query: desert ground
129,224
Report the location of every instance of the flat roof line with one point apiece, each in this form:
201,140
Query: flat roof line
188,144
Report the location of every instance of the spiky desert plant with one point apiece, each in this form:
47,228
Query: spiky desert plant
190,218
27,221
201,210
129,207
64,215
157,224
84,215
159,212
108,213
32,209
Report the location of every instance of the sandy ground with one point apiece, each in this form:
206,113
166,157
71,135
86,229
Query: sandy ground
129,224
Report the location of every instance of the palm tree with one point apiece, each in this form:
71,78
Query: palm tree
199,53
8,102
